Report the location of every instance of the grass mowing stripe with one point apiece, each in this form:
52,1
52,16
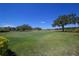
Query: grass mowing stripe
43,43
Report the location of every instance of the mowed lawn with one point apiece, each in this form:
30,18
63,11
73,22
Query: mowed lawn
43,43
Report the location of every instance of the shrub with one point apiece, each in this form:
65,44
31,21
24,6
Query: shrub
4,29
3,45
76,30
37,28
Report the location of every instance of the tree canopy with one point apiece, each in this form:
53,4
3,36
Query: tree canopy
66,19
23,27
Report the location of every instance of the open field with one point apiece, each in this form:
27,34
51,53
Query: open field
43,43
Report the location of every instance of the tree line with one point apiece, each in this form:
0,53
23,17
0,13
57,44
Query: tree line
66,19
23,27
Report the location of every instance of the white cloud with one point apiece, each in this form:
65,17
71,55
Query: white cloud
7,25
43,22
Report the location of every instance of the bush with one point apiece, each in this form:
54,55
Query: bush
76,30
3,45
4,29
37,28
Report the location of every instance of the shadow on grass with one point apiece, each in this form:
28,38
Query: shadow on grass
10,53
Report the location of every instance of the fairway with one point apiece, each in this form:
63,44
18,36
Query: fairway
43,43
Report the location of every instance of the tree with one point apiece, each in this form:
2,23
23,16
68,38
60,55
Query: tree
61,21
7,29
23,27
66,19
37,28
12,28
77,20
74,19
4,29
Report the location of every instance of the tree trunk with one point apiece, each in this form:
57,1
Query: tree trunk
62,28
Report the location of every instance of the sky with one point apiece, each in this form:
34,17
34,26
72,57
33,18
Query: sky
35,14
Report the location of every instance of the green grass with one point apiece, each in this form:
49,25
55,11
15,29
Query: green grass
43,43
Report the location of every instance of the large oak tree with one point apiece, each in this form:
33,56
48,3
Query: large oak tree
64,20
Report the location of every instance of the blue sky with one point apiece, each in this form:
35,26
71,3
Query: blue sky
36,15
